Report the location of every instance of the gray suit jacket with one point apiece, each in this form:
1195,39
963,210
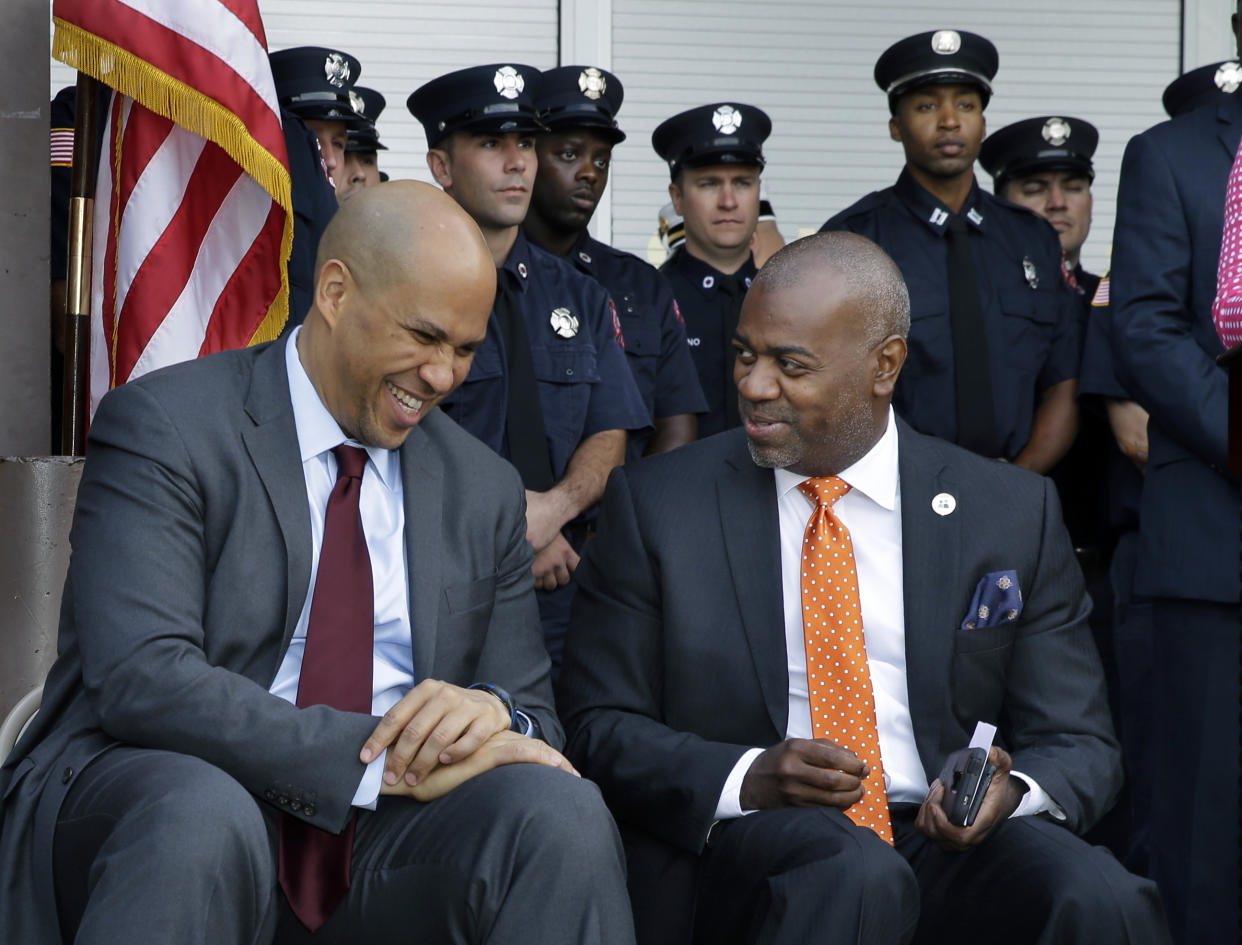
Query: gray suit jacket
675,662
190,565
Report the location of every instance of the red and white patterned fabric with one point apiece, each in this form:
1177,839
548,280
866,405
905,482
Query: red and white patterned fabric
1227,307
193,207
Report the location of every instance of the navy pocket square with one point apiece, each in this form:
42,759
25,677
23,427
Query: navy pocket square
997,600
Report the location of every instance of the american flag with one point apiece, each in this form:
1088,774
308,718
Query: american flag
193,213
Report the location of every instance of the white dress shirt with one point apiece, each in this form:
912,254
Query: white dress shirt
871,510
383,521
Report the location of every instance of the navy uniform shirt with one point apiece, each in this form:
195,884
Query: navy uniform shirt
705,301
1030,313
652,330
314,204
585,386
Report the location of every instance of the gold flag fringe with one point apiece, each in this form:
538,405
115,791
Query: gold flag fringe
191,109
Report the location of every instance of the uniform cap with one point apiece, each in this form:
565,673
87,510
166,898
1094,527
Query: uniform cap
1201,86
497,98
937,58
314,83
724,133
581,97
368,103
1046,143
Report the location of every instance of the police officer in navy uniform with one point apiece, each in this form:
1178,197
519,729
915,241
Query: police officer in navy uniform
1166,249
1202,86
578,106
549,388
312,87
715,157
994,350
1045,164
362,145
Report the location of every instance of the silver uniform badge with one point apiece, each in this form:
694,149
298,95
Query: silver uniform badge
946,42
564,323
591,83
1028,271
356,101
509,82
727,119
1056,131
336,69
1228,77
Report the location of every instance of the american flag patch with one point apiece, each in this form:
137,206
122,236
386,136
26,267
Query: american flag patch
62,147
1101,294
677,312
616,323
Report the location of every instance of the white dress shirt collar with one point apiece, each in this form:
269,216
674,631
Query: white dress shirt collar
874,475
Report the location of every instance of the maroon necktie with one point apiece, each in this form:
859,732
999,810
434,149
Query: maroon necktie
336,671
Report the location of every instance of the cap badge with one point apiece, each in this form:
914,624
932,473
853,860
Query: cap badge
727,119
564,323
356,101
946,42
1056,131
591,83
336,69
1228,77
1028,271
943,503
509,82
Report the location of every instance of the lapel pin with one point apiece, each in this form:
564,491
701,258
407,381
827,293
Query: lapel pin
944,504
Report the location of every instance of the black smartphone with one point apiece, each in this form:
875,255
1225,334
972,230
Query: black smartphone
965,776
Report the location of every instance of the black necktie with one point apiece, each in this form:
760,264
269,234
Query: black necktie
735,294
336,671
972,384
524,430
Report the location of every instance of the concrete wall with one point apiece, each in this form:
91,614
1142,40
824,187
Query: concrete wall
25,48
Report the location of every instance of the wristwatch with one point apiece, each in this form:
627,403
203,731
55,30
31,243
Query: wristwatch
504,697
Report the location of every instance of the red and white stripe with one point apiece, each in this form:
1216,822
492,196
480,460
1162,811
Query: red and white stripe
62,147
187,245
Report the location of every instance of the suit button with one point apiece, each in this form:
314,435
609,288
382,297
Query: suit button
309,810
66,776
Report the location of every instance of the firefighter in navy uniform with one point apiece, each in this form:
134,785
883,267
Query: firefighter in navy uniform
362,145
715,157
312,87
1045,165
578,105
549,388
993,346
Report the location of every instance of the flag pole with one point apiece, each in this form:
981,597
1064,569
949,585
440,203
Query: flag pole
78,274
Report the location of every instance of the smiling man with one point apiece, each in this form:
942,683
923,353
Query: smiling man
993,360
301,684
549,388
715,156
578,106
770,729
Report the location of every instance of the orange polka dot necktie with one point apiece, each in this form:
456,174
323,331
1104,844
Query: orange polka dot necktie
838,680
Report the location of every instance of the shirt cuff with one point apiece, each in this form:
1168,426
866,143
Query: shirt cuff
369,788
730,803
1036,800
526,725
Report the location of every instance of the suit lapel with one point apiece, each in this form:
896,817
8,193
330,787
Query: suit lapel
751,528
1229,124
931,552
273,447
422,480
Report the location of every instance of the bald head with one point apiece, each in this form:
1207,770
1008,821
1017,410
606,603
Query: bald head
398,232
860,272
403,292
